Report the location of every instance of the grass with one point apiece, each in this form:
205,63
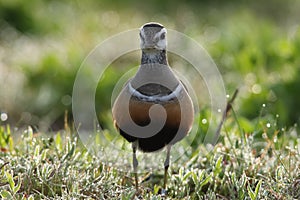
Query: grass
264,164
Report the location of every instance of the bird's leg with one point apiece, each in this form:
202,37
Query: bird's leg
135,164
167,163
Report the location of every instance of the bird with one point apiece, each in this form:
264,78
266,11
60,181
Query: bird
155,100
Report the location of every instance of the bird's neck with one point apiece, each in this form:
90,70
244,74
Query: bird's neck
154,69
154,57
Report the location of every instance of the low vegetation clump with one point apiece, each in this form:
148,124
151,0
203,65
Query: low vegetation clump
264,164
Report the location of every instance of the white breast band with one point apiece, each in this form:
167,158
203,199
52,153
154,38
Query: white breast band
168,97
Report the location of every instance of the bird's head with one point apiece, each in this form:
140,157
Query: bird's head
153,37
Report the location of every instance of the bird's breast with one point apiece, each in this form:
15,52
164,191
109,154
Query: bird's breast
139,112
179,115
179,110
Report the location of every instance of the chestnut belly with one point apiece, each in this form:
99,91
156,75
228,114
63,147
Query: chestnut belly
177,124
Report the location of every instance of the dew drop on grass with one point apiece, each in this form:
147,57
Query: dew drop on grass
264,135
264,105
3,117
256,89
204,121
268,125
275,139
66,100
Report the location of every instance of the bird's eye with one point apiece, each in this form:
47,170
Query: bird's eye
141,35
163,36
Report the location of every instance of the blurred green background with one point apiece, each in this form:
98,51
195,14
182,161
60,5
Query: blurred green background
256,46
